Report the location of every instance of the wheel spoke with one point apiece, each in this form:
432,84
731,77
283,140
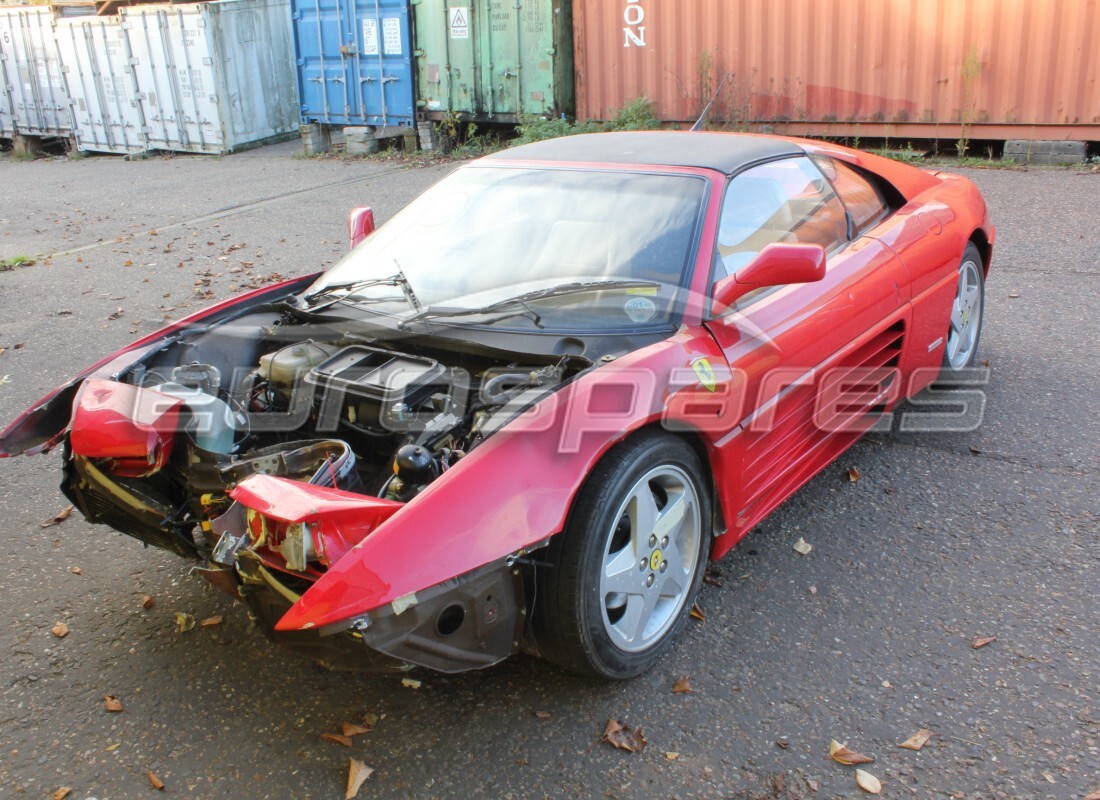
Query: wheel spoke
675,559
642,510
956,316
672,515
972,298
621,573
639,610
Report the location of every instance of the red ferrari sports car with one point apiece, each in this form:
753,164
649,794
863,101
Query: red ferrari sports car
523,413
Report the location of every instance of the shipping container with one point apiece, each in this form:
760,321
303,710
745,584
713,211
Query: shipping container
33,100
213,77
946,69
101,85
354,61
494,59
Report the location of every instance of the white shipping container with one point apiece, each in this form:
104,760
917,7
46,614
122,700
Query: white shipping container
33,100
214,77
102,86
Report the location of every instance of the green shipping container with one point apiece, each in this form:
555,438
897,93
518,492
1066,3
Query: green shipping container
493,60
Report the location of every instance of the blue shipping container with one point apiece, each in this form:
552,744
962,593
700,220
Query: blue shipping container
354,61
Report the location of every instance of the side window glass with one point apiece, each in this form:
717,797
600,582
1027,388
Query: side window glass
781,201
862,198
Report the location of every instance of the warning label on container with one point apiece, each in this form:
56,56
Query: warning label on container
460,22
370,37
391,36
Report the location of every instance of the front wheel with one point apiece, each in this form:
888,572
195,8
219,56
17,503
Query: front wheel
628,566
966,313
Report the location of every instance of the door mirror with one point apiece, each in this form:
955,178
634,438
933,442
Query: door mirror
777,264
360,225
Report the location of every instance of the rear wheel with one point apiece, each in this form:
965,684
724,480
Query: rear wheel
629,564
966,313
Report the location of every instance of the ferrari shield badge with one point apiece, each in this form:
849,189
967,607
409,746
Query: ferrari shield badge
705,372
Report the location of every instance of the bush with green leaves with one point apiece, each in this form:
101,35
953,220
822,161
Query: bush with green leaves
635,116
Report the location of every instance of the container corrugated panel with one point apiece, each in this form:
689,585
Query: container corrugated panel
354,61
916,68
101,83
213,77
35,102
494,59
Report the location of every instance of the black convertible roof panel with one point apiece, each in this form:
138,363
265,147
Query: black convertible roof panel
727,152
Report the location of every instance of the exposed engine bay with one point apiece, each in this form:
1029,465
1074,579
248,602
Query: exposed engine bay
202,444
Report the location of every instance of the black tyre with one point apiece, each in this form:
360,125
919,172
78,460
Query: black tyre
967,311
625,572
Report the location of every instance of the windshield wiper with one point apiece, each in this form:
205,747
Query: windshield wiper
577,287
351,287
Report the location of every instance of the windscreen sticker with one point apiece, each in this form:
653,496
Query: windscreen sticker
640,309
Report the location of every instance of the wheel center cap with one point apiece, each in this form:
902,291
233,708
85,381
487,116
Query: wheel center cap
655,559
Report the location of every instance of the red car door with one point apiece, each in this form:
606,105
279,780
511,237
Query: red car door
808,360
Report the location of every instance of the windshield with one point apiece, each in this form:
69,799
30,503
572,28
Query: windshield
484,235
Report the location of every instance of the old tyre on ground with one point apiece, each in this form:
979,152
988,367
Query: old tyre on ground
625,572
967,310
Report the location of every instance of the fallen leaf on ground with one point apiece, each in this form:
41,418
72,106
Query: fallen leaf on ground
682,685
370,719
803,547
623,736
840,753
148,601
782,744
917,740
1094,796
543,714
336,738
868,782
887,685
853,474
982,641
60,630
117,313
112,747
697,613
62,515
358,772
128,263
76,570
154,781
975,451
1014,295
210,622
351,729
671,756
113,704
184,621
62,793
410,683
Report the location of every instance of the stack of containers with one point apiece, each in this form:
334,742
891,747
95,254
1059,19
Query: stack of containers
208,77
102,85
213,77
33,100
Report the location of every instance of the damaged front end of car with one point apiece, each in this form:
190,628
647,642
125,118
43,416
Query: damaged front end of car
270,447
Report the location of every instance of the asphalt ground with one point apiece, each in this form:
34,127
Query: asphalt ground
945,538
